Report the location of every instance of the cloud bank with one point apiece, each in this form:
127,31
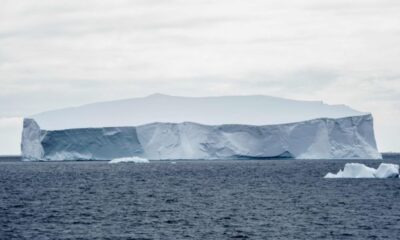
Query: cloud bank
63,53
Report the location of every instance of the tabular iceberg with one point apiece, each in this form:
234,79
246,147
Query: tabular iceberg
324,138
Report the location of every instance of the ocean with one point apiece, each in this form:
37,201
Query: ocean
248,199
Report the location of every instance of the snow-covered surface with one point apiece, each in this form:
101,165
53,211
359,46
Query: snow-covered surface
358,170
248,110
349,138
129,160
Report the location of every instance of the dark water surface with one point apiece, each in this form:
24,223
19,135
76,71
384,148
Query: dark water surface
274,199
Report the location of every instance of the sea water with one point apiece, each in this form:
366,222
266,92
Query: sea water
270,199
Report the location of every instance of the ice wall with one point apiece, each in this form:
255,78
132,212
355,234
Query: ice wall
325,138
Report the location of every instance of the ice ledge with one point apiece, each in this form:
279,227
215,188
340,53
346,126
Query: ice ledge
323,138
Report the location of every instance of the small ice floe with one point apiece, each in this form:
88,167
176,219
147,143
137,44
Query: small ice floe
173,162
358,170
386,170
129,160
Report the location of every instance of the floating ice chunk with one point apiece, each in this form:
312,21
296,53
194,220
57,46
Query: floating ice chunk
358,170
387,170
129,160
332,175
354,170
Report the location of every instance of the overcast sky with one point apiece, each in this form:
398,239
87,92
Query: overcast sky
70,52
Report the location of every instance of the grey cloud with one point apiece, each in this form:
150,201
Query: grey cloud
63,53
306,80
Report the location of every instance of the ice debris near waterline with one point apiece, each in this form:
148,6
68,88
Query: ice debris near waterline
325,138
358,170
129,160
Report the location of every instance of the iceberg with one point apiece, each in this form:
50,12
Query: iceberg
129,160
358,170
322,138
354,170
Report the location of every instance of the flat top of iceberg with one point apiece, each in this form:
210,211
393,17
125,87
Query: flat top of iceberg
129,160
358,170
250,110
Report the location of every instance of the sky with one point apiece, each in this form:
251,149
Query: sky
56,54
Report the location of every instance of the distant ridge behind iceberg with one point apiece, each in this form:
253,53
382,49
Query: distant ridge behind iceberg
323,138
249,110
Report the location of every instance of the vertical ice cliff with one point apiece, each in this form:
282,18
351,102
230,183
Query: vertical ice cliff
78,144
31,144
324,138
